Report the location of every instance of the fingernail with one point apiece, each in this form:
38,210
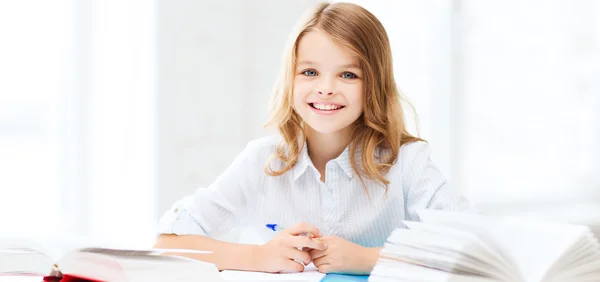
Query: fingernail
324,246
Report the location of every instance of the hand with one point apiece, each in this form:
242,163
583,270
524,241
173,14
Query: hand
342,256
286,250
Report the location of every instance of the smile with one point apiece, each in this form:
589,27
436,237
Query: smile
325,109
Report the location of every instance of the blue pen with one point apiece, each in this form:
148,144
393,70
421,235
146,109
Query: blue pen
276,227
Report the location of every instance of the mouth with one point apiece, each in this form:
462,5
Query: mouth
326,107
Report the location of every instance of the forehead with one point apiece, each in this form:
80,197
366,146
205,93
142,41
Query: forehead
318,47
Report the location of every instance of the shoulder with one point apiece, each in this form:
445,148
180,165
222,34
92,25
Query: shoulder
260,149
410,157
412,151
264,145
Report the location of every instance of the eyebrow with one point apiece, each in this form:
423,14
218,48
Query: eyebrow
352,65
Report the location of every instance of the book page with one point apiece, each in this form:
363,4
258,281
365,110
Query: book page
25,264
53,245
115,267
581,254
536,246
442,250
455,238
388,270
113,251
479,225
310,274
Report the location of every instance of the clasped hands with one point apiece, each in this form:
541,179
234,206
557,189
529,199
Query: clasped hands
289,251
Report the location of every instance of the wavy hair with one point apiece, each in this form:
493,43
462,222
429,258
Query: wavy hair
381,124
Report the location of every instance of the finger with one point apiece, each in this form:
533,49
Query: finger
301,228
325,268
320,261
298,255
305,242
292,266
315,254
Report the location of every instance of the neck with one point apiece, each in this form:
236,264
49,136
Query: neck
323,147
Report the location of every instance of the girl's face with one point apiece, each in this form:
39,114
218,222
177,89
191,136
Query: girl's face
328,85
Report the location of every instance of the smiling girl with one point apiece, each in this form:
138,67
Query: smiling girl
343,166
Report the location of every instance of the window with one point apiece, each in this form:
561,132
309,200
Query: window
529,100
507,93
32,97
77,118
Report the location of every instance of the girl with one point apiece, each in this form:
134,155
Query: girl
343,168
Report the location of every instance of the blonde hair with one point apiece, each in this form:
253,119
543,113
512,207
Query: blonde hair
381,124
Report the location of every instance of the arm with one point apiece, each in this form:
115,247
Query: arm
195,222
224,255
213,212
282,253
424,185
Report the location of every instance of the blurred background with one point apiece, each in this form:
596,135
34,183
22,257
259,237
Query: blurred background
111,110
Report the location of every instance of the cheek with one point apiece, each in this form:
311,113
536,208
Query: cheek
355,97
299,93
296,98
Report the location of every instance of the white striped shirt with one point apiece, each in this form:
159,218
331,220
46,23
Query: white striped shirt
244,194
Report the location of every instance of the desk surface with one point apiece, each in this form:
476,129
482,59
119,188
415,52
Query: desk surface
333,277
20,279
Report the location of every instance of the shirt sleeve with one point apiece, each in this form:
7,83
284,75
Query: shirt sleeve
215,210
425,186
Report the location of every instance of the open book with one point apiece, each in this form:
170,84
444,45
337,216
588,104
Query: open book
50,256
457,246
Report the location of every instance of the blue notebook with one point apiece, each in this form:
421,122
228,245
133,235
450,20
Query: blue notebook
344,278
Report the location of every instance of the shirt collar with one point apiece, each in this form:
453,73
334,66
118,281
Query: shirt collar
343,161
303,163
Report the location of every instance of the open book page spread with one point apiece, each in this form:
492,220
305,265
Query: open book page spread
537,247
106,267
53,245
58,245
388,270
25,264
24,256
53,255
138,252
479,225
442,252
310,274
457,246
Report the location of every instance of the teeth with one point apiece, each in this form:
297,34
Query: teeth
325,107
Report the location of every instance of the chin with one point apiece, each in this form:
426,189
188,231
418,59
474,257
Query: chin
326,128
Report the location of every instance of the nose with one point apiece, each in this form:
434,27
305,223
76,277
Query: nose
326,87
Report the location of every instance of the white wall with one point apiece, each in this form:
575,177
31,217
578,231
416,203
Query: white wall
510,107
78,130
421,37
217,62
470,74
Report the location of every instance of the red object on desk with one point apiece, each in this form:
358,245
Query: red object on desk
69,278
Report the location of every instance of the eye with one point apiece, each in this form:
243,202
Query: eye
349,75
310,72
